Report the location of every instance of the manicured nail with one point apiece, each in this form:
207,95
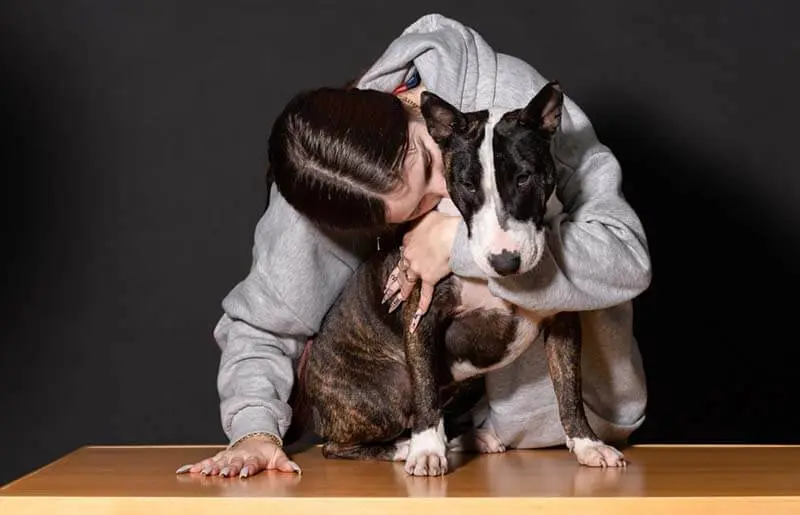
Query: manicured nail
415,322
206,471
395,303
184,469
224,472
388,291
244,473
296,468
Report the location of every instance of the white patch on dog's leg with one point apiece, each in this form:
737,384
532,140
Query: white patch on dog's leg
594,453
479,440
427,452
401,449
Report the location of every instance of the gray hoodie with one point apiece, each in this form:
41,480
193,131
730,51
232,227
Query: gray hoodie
597,262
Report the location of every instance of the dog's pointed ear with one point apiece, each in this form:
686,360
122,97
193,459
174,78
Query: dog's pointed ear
543,112
441,118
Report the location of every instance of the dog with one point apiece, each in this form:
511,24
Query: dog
370,382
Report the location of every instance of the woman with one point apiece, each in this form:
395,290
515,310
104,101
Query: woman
361,159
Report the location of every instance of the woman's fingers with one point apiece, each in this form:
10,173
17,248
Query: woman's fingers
392,285
194,468
407,282
284,464
225,464
251,466
210,468
425,298
233,467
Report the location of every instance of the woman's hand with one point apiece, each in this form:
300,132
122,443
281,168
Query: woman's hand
425,256
245,459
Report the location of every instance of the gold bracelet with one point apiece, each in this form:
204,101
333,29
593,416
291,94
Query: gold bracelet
269,436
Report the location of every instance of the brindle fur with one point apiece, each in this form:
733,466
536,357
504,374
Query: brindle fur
562,344
369,380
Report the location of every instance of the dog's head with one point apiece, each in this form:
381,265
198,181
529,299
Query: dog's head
500,174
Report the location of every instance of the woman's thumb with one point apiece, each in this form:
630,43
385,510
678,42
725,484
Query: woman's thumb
284,464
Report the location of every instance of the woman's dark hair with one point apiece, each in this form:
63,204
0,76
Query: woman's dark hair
334,151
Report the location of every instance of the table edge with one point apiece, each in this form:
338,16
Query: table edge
637,446
775,505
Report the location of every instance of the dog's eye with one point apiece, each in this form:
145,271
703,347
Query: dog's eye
469,186
522,180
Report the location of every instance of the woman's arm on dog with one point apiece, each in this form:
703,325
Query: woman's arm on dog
597,253
296,275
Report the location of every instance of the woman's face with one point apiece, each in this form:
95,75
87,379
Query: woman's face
423,184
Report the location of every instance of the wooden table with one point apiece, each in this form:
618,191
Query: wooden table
675,480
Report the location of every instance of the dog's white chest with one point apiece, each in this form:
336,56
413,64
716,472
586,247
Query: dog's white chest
475,294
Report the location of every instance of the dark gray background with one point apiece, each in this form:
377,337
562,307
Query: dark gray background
134,148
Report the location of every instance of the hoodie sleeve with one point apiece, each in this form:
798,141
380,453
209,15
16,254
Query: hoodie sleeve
597,254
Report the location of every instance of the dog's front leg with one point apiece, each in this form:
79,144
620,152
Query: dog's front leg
428,446
562,341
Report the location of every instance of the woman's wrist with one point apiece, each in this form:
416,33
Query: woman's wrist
258,435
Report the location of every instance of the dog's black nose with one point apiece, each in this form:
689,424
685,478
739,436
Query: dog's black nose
505,263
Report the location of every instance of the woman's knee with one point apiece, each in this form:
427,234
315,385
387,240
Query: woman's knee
620,427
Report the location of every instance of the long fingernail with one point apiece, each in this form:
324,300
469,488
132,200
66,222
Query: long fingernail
296,468
415,321
184,469
206,471
395,303
390,289
224,472
244,473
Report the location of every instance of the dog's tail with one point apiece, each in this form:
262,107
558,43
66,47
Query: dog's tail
299,401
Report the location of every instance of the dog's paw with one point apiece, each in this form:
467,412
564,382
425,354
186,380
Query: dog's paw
426,452
479,440
594,453
426,464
